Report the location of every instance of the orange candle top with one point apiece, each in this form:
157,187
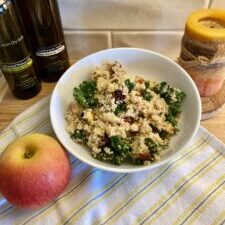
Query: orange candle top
206,25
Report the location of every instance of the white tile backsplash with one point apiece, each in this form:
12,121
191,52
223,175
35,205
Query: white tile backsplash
93,25
127,14
218,4
82,43
167,43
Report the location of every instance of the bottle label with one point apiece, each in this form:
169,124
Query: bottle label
50,51
52,62
12,43
25,80
17,66
22,73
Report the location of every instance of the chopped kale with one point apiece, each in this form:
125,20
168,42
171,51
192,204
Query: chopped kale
138,161
117,159
103,155
119,144
130,85
180,95
79,135
153,147
150,143
171,118
154,129
159,88
174,104
173,97
147,96
120,148
85,94
121,107
174,108
163,134
147,84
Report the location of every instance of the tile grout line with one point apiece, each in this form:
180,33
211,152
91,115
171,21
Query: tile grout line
121,30
109,39
210,3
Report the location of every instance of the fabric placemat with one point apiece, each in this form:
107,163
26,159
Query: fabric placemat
188,190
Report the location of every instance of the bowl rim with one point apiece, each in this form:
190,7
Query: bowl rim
144,167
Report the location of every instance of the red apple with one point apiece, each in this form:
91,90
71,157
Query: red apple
34,169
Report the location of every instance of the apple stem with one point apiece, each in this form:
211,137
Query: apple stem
29,153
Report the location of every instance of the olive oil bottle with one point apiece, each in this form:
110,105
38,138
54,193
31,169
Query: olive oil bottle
42,21
16,60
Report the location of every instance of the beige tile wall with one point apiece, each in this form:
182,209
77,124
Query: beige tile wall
165,42
218,4
127,14
93,25
82,43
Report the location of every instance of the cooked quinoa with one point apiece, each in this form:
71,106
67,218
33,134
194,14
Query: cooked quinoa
123,118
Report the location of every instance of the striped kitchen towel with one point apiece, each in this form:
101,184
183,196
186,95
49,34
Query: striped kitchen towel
188,190
3,86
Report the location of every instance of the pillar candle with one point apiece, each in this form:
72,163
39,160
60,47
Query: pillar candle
203,50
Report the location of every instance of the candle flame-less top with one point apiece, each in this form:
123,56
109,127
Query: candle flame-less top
206,25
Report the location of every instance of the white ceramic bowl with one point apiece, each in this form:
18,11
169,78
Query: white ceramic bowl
148,64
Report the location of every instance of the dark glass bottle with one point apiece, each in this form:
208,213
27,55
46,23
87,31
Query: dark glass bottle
42,21
16,60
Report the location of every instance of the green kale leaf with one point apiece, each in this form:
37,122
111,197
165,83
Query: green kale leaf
173,97
130,85
122,107
119,144
85,94
79,136
121,148
159,88
147,96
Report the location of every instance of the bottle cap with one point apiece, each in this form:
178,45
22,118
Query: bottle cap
4,5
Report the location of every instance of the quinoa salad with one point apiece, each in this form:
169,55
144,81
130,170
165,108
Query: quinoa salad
123,118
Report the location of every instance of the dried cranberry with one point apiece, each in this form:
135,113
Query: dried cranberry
140,80
154,129
141,114
119,96
105,139
144,156
129,119
133,133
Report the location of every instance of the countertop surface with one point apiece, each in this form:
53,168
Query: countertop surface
10,107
